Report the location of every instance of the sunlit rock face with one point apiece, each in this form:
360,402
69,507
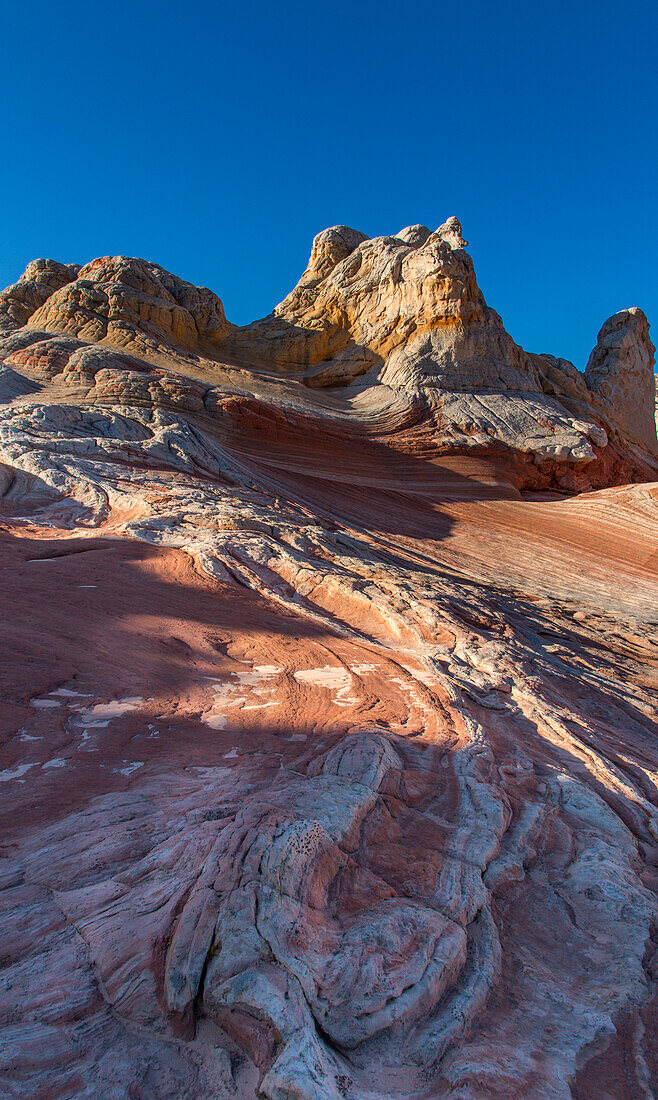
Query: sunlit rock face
328,690
126,302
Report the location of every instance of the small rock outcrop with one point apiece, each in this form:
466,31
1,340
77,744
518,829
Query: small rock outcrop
329,248
40,280
620,376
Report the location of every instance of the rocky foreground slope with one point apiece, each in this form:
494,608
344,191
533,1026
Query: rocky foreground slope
329,660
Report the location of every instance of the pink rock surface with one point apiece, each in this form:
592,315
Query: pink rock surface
329,747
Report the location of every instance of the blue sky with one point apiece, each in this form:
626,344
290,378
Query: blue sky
218,139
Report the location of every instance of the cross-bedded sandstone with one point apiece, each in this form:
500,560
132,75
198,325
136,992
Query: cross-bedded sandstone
329,761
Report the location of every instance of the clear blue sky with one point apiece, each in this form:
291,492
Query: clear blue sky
217,139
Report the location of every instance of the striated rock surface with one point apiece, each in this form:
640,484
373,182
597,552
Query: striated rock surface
328,689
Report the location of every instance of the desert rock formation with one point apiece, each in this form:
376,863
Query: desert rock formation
328,690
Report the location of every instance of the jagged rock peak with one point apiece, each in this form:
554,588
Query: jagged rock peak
451,231
340,241
417,235
619,374
378,291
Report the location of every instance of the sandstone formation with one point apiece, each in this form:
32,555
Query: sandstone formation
328,686
122,302
619,375
38,282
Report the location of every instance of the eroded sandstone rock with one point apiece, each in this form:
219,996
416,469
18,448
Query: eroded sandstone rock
327,692
133,304
620,375
394,328
40,280
403,320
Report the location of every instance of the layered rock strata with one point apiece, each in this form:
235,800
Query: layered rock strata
328,690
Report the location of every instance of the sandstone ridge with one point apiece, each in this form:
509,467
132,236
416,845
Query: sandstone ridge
389,328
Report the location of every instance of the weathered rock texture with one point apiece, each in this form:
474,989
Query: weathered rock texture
123,302
619,374
328,680
40,280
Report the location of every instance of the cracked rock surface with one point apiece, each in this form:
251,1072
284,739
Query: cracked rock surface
328,687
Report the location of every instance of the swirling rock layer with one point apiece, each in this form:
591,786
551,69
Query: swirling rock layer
328,680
